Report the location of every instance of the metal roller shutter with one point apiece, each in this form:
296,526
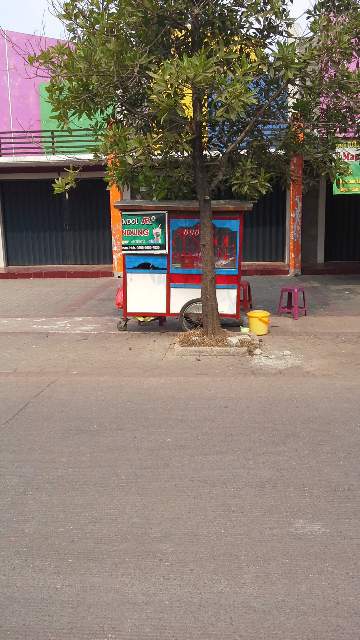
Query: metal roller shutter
342,227
264,229
45,229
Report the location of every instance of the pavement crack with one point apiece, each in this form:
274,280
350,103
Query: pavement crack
26,404
167,350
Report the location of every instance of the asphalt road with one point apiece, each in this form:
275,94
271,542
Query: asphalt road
147,496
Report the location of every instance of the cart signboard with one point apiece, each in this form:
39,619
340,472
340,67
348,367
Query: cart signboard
144,232
349,151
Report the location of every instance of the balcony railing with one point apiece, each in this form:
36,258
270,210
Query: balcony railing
77,142
47,142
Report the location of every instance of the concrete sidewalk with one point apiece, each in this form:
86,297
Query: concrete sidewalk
78,305
335,296
52,298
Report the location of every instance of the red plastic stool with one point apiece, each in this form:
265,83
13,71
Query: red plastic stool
245,295
292,304
119,298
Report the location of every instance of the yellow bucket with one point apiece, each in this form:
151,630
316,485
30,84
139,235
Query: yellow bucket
259,322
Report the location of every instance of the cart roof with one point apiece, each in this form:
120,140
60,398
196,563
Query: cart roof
221,206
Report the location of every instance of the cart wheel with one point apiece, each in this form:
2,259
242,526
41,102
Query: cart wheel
122,325
191,315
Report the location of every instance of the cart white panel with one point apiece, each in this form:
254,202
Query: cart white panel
226,299
178,297
146,293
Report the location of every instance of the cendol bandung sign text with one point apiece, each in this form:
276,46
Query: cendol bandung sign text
349,150
144,232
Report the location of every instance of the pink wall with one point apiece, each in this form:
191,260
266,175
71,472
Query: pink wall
19,86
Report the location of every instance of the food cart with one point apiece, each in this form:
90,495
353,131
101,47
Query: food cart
162,259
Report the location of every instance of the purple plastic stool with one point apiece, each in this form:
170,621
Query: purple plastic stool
292,304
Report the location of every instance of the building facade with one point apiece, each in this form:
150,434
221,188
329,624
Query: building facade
37,227
41,229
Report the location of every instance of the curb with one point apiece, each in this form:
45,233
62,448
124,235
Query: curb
210,351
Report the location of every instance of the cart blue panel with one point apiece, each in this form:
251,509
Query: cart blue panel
178,285
136,264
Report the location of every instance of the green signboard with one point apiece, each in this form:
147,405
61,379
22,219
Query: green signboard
349,151
144,232
349,184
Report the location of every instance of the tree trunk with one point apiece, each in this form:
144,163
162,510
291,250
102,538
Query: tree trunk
211,321
210,313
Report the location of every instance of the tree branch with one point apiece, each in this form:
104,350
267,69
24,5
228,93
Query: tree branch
260,112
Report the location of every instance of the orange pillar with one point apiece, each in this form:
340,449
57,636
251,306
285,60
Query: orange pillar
296,173
116,232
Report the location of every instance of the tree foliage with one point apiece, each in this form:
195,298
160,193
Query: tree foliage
134,65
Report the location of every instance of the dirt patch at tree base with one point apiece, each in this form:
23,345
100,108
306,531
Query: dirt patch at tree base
226,342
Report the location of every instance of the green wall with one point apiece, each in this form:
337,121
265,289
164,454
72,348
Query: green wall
49,123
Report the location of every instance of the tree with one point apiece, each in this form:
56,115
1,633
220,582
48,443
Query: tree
190,98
